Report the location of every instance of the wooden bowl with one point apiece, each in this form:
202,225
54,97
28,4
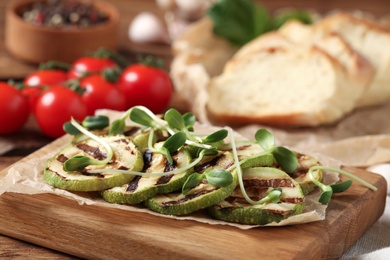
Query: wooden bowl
38,43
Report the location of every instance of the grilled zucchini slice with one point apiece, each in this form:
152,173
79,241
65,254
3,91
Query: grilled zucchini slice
144,187
258,181
127,156
201,196
300,174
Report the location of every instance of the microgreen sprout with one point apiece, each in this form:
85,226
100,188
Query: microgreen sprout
90,123
328,190
272,197
216,177
172,144
80,162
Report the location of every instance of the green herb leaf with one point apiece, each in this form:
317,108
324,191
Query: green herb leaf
117,127
174,119
326,195
76,163
341,186
174,142
265,139
286,159
96,122
218,177
216,136
239,21
274,195
189,121
191,182
207,152
283,17
141,117
70,129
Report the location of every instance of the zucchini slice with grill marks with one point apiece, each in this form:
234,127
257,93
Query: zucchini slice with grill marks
126,156
201,196
145,187
300,174
258,181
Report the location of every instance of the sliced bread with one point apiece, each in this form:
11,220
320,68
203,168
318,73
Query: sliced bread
371,41
282,87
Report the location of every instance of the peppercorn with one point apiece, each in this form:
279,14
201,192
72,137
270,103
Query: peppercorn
58,13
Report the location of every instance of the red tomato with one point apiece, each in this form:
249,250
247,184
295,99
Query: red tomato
14,109
45,77
55,106
100,93
147,86
87,65
32,94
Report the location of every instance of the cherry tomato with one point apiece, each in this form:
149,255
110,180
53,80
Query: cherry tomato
147,86
32,94
45,77
55,106
87,65
100,93
14,109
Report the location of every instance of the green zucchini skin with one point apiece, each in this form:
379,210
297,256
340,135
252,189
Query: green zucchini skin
126,156
199,197
260,180
142,188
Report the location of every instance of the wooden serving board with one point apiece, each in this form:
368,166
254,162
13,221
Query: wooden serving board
89,231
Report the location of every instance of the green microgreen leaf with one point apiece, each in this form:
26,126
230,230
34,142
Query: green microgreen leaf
77,163
265,139
174,119
141,117
96,122
192,181
286,159
117,127
174,142
218,177
273,196
207,152
70,129
216,136
341,186
189,121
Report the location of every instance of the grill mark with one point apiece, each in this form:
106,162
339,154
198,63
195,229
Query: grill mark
164,179
274,183
131,131
56,173
122,140
62,158
95,152
132,186
186,198
201,167
86,173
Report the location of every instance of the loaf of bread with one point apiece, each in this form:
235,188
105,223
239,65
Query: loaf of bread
305,75
282,87
370,40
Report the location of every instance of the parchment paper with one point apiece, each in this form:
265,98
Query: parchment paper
27,178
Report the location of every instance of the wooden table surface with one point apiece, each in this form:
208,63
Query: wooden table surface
30,138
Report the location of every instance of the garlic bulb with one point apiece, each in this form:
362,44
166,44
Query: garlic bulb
148,28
